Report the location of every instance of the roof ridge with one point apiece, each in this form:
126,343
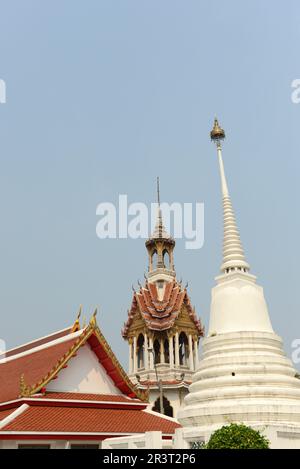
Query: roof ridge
27,344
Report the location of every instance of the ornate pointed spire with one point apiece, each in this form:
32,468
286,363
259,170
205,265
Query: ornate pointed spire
159,230
233,253
158,245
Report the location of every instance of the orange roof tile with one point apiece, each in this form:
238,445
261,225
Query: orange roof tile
81,420
36,343
34,366
161,314
77,396
41,366
5,413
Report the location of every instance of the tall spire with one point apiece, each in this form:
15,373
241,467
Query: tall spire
159,229
233,253
160,247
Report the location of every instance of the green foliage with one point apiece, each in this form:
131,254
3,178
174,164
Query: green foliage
236,436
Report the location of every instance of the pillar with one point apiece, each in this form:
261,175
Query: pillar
134,355
162,352
177,349
151,353
196,359
171,351
130,356
191,360
146,356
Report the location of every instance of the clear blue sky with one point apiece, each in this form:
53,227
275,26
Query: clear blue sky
103,96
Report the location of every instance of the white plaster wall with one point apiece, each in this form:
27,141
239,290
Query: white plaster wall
84,374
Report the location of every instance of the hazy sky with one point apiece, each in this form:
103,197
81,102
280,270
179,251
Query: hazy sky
103,96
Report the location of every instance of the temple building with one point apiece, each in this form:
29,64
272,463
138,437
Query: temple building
162,328
244,375
68,390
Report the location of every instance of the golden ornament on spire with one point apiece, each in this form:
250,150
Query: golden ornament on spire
76,325
217,134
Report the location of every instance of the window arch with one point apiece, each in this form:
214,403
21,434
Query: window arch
183,349
140,351
166,259
168,409
154,258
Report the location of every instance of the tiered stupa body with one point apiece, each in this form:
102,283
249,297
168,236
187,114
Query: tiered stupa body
162,329
243,375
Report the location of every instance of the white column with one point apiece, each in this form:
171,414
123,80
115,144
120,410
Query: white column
191,361
177,349
134,355
171,352
130,357
196,364
151,353
146,357
162,354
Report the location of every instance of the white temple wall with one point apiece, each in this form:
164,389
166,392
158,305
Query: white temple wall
85,374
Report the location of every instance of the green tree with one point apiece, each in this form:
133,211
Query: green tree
236,436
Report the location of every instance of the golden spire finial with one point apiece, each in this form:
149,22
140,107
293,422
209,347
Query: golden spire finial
217,134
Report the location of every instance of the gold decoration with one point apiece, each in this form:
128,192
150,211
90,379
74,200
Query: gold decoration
93,321
217,132
76,325
24,389
92,328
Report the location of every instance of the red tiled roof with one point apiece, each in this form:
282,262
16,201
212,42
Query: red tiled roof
34,366
77,396
41,366
81,419
36,343
161,314
5,413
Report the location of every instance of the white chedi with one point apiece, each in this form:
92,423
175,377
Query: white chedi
244,375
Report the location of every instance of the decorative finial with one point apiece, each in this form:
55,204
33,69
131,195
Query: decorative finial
93,321
217,134
76,325
158,194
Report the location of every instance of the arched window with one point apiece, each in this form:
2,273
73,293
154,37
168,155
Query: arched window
166,258
168,409
183,349
166,350
156,352
140,351
154,259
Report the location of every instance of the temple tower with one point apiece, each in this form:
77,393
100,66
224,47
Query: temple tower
162,328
